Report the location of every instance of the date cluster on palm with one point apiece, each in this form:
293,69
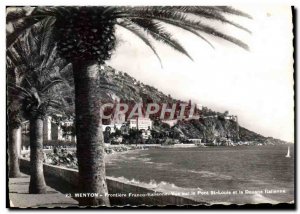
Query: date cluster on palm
85,33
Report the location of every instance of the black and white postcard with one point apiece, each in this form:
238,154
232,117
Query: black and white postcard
150,106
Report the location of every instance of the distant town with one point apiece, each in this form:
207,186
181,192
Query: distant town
139,130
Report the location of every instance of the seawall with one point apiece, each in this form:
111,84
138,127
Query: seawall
65,180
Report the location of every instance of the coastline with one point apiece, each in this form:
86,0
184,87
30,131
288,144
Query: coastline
121,152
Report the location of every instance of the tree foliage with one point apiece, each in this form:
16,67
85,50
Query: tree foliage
88,32
42,87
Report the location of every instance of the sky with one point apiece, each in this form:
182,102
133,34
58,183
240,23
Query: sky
256,85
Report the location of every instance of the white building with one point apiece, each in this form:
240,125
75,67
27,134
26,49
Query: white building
118,119
146,134
141,122
25,127
200,107
232,117
65,136
112,127
171,123
47,128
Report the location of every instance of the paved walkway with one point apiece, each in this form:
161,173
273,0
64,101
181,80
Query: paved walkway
19,196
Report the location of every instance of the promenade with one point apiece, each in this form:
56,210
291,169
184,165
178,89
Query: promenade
61,180
19,196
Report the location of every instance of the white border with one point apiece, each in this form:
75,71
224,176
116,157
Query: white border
5,3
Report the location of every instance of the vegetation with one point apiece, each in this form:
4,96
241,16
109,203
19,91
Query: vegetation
38,93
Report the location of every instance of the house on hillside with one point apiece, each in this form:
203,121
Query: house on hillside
171,123
142,123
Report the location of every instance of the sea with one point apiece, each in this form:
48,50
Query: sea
214,175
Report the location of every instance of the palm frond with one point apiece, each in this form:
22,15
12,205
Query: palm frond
16,13
231,10
137,31
57,106
19,29
185,28
177,19
17,55
19,89
49,58
207,12
51,84
23,23
158,32
28,82
66,69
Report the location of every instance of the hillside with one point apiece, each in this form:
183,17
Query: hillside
117,85
212,126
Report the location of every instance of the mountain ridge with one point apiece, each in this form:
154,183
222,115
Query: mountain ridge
118,85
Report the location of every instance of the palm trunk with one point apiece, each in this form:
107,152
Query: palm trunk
37,181
14,169
90,142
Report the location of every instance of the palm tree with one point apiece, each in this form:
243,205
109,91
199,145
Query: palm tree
38,93
14,126
38,100
13,121
86,38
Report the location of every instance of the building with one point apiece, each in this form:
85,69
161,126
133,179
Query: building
47,129
146,134
171,123
112,127
65,136
54,131
118,119
200,107
196,141
25,127
141,123
230,117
